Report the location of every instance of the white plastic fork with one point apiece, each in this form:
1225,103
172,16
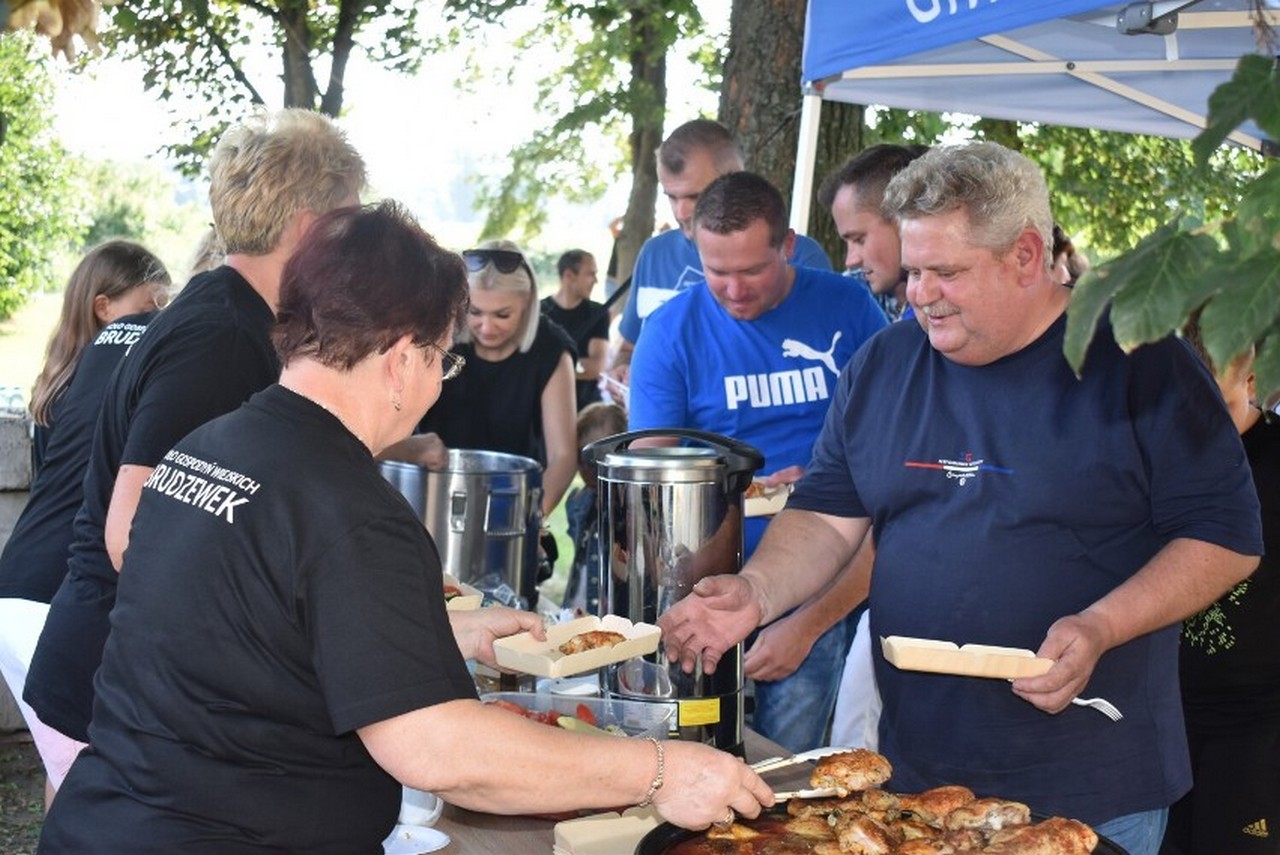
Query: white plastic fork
1102,705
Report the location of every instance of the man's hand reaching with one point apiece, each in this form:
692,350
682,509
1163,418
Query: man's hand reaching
721,611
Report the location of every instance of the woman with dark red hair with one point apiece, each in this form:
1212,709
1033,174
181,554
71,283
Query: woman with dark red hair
280,660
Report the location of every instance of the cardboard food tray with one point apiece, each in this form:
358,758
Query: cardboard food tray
527,655
773,500
469,599
605,833
971,660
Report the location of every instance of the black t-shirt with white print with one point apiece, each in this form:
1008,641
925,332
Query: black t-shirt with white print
35,557
277,595
201,357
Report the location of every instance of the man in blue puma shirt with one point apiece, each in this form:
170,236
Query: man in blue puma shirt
754,355
694,155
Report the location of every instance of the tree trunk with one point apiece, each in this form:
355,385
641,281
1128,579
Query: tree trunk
842,133
300,89
760,96
344,39
648,105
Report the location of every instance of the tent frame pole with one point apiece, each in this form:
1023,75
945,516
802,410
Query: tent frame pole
806,159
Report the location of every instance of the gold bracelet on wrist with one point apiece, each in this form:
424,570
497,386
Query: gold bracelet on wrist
656,783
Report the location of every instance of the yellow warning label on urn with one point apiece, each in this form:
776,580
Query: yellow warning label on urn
699,712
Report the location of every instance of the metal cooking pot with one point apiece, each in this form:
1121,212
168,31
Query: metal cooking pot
483,511
671,516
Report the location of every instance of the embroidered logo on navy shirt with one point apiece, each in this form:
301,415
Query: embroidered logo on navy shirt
962,471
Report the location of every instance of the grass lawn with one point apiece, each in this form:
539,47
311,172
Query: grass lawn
23,339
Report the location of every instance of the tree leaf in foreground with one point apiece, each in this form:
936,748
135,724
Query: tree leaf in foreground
1245,309
1159,283
1251,92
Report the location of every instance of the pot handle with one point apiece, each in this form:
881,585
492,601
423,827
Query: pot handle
742,460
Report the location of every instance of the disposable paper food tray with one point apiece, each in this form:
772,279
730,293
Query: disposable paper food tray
469,599
527,655
971,660
606,833
773,501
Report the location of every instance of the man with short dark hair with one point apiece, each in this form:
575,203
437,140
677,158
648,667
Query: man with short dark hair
754,355
854,194
585,320
694,155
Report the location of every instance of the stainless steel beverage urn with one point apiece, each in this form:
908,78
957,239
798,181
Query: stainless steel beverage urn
483,509
670,516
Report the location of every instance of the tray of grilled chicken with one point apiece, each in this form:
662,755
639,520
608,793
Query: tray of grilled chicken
577,646
761,501
842,809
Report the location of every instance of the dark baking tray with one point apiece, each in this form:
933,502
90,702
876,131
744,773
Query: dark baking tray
662,838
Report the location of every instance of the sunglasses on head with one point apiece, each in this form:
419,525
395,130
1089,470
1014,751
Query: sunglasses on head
505,260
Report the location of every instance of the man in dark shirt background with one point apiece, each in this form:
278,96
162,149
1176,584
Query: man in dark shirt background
586,321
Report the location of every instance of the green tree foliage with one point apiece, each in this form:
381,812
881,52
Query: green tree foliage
36,218
142,202
198,54
1109,189
1228,268
606,94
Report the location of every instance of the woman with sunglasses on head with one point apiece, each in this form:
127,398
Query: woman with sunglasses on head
517,393
281,660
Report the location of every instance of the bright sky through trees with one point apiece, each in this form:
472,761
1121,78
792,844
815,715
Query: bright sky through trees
424,139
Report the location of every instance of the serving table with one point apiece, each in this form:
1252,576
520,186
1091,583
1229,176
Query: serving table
475,833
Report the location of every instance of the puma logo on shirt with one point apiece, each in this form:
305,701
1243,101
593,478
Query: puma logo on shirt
792,347
781,388
777,388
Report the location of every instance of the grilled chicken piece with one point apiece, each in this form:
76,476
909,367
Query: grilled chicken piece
937,846
1054,836
851,771
948,843
811,827
591,640
880,801
987,815
915,829
859,834
736,831
932,805
822,807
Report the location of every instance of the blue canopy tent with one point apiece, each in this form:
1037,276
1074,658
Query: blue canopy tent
1142,67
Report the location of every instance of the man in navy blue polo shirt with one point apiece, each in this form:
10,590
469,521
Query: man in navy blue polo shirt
1013,504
